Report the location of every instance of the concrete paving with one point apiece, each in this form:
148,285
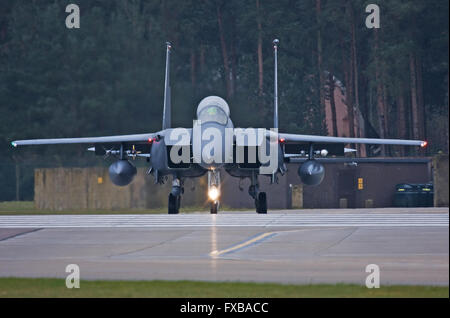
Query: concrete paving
411,246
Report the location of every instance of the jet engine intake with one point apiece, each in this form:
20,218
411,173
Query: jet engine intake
122,172
311,172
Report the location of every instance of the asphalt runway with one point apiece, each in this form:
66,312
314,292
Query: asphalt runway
410,246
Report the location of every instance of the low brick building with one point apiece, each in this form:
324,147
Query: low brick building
369,183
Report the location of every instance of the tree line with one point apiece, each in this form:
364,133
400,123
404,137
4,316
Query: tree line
107,76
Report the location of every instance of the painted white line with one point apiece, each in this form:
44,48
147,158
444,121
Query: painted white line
225,220
246,243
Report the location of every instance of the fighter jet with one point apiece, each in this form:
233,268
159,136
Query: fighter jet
212,145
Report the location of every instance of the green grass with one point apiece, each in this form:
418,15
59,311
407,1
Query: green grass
28,208
16,206
52,287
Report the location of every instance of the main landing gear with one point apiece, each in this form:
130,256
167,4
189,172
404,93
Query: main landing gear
261,203
259,197
175,196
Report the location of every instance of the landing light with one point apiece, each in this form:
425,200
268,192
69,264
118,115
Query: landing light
213,193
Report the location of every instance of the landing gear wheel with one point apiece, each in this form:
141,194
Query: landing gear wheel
261,203
178,203
214,207
174,204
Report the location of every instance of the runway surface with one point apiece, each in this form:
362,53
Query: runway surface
411,246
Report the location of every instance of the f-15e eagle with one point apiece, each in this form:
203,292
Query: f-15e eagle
213,144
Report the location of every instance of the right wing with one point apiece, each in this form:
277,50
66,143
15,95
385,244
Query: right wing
294,138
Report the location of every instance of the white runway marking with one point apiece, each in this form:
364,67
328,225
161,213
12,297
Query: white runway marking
226,220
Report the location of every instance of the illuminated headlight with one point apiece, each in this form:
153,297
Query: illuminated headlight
213,193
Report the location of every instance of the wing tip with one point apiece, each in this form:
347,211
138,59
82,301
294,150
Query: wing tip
14,144
423,144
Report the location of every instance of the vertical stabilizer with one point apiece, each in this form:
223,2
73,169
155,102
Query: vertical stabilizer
275,87
167,112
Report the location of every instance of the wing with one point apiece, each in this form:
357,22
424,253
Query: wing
293,138
355,161
135,139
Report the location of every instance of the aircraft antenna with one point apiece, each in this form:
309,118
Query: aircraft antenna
275,87
167,102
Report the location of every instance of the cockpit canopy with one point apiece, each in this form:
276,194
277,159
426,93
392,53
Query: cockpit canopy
213,109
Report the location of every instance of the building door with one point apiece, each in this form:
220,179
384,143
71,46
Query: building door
347,186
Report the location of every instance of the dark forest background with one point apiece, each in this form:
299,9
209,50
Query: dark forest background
107,77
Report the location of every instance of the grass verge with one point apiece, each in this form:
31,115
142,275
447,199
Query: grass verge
53,287
28,208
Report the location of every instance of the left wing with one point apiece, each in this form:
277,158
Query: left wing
138,139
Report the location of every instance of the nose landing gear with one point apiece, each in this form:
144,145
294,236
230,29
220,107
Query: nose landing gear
214,190
214,207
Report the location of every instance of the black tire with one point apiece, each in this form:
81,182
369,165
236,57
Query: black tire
174,204
261,203
214,207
